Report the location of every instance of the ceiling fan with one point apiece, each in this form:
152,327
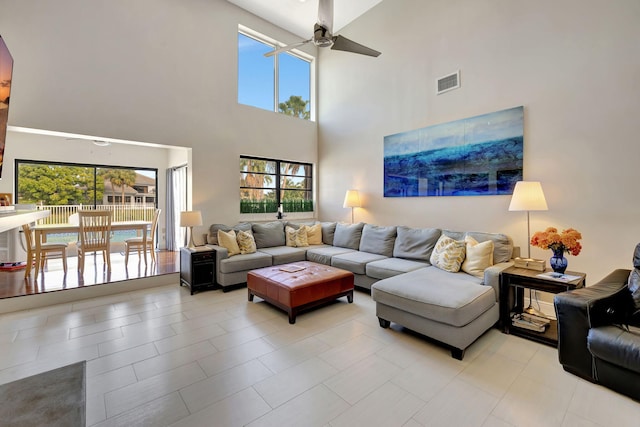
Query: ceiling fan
323,37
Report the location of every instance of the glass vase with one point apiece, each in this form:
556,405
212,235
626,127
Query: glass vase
558,261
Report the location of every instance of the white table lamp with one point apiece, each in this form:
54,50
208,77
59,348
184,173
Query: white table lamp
190,219
352,200
528,196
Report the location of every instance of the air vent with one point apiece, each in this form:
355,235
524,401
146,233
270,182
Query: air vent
449,82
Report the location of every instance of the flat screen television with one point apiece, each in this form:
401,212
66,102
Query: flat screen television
6,70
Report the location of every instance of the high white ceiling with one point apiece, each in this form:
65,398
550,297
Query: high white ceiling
298,16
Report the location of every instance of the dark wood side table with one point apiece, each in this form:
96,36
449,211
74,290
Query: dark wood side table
513,282
198,268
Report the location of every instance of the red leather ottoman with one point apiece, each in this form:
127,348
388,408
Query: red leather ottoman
299,286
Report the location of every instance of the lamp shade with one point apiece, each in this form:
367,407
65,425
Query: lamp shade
351,199
528,196
190,219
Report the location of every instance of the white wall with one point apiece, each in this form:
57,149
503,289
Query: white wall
573,64
158,71
27,146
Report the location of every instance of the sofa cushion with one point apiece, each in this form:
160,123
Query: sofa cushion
348,235
478,256
378,240
314,234
296,237
616,346
448,254
455,235
634,289
502,245
269,234
452,298
284,254
245,262
212,237
390,267
297,225
634,279
415,243
323,254
246,243
328,232
227,239
355,262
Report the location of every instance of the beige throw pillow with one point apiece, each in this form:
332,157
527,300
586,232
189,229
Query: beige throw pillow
296,238
246,242
314,234
479,256
448,254
228,241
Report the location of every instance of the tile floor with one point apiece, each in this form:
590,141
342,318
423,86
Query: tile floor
163,357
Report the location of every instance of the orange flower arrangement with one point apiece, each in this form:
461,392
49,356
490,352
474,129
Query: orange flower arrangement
567,241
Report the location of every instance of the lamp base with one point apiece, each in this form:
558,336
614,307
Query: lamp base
191,243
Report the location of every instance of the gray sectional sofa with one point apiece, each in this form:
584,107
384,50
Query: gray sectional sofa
394,264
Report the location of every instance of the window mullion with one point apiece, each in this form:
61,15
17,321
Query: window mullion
278,194
275,83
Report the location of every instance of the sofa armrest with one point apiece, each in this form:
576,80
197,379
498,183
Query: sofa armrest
221,254
579,310
492,276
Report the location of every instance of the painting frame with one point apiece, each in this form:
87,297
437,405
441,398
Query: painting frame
475,156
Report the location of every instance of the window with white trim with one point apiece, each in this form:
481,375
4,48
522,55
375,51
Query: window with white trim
280,83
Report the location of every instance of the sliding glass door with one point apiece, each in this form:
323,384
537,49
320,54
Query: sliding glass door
64,188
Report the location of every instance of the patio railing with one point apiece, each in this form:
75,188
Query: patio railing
60,213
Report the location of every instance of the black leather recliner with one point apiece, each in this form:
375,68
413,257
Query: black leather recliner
599,330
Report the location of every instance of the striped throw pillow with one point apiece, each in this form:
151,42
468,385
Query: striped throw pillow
448,254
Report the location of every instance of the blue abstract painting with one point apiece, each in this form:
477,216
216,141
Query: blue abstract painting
478,156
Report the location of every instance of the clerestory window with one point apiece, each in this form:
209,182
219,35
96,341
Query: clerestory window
280,83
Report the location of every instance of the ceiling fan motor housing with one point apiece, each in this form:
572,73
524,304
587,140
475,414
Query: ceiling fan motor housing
321,36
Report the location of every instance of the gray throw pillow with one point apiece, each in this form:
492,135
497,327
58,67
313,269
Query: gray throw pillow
328,231
416,243
348,235
378,240
634,287
269,234
634,279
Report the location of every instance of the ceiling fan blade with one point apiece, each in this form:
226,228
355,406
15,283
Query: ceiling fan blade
325,14
343,43
285,48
